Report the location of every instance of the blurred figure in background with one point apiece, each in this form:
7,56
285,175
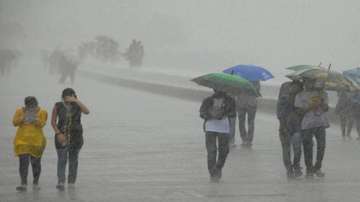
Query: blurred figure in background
344,109
29,142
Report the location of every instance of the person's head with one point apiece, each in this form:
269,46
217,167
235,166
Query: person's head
218,92
296,86
31,102
68,92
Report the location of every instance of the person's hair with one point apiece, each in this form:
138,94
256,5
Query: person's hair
30,102
68,92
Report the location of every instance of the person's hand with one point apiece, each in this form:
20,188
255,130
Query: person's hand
61,138
70,99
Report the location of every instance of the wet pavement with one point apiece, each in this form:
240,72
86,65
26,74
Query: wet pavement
146,147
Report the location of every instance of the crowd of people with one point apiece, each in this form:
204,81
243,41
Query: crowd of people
301,110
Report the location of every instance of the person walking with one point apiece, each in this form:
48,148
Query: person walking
290,127
344,109
216,111
66,122
246,107
29,142
314,102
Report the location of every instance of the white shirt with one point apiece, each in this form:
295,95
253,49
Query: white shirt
219,126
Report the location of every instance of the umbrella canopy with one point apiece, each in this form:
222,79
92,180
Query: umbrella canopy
333,80
353,75
250,72
303,67
226,82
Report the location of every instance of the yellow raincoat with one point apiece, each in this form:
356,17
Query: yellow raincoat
29,138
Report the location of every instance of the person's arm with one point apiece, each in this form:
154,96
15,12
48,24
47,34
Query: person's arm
18,118
204,109
83,108
41,120
53,120
325,102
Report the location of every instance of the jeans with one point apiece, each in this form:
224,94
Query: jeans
320,136
216,155
24,161
72,155
288,140
250,112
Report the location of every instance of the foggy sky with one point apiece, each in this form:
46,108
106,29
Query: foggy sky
203,34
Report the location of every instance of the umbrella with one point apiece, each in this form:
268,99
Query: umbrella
250,72
225,82
333,80
303,67
353,75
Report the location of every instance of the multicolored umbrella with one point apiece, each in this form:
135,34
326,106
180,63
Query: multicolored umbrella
303,67
226,82
333,80
250,72
353,75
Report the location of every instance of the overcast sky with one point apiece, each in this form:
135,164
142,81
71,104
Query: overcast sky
274,33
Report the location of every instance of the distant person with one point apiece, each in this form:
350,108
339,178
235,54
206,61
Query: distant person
355,111
344,109
313,100
66,122
216,111
246,107
290,127
68,65
29,142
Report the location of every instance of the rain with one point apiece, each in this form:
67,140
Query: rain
179,100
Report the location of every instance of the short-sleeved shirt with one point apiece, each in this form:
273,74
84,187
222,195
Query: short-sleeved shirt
315,118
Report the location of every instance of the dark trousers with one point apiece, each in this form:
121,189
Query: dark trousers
346,123
249,113
24,161
287,140
72,155
216,155
320,136
232,123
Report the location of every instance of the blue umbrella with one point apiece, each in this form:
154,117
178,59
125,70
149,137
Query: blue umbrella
250,72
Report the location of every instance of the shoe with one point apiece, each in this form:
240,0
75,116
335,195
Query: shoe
290,173
319,173
309,174
298,173
36,187
21,188
60,187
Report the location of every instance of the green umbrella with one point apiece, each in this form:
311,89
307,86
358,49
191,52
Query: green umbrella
232,84
303,67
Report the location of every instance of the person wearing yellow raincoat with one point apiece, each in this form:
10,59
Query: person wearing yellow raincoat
29,142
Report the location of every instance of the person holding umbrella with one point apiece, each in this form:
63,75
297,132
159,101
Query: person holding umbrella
313,100
246,104
216,111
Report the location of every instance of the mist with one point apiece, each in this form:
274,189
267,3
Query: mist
196,35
